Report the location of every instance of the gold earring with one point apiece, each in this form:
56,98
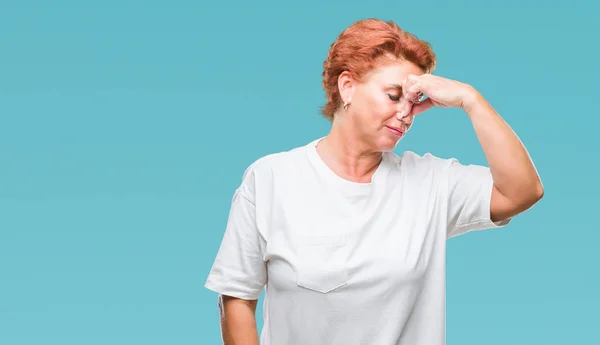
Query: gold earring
345,106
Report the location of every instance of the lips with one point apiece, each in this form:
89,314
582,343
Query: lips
395,130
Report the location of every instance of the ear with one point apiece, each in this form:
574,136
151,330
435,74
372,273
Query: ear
346,86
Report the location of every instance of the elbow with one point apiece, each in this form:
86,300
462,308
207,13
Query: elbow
518,202
537,192
535,195
529,197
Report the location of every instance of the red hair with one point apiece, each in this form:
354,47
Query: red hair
361,47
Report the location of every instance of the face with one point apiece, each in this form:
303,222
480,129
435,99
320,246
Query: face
375,103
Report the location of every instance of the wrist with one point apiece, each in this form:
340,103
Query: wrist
472,102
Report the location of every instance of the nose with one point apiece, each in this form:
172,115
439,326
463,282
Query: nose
408,119
404,111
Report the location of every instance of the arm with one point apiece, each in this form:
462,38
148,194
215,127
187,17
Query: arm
517,185
239,272
238,321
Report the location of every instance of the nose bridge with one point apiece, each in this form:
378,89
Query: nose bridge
402,104
404,110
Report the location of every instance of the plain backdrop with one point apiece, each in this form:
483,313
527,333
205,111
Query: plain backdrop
125,127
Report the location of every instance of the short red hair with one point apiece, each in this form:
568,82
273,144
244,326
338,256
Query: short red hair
361,47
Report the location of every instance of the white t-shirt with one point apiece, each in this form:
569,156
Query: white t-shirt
348,263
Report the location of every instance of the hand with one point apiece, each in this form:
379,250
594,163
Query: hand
440,92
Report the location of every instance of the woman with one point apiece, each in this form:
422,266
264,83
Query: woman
348,237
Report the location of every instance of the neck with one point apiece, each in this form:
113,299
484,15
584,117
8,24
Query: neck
347,155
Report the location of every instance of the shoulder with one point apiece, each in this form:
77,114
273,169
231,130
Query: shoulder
263,170
442,171
268,163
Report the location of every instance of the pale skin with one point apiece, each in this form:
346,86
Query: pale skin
378,115
380,102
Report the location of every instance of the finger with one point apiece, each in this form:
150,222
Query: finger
414,88
409,82
410,79
406,109
415,91
422,107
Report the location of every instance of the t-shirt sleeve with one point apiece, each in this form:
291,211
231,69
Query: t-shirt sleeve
469,198
238,269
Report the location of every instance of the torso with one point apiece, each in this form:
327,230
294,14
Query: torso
351,262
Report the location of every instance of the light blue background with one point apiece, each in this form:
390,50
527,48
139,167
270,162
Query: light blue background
125,127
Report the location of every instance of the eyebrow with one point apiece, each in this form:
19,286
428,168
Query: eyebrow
396,86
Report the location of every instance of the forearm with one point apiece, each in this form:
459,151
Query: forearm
514,174
238,321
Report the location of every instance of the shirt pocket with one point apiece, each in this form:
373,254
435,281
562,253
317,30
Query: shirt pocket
321,262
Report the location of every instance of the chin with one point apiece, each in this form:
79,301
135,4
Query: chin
387,144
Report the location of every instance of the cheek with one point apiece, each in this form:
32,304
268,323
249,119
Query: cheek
380,107
374,108
385,109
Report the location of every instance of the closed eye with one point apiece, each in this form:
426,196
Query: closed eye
393,98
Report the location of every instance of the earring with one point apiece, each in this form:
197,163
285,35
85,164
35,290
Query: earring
345,106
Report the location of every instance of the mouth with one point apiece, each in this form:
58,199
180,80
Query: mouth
395,131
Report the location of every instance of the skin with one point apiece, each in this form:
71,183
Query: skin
359,134
238,321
